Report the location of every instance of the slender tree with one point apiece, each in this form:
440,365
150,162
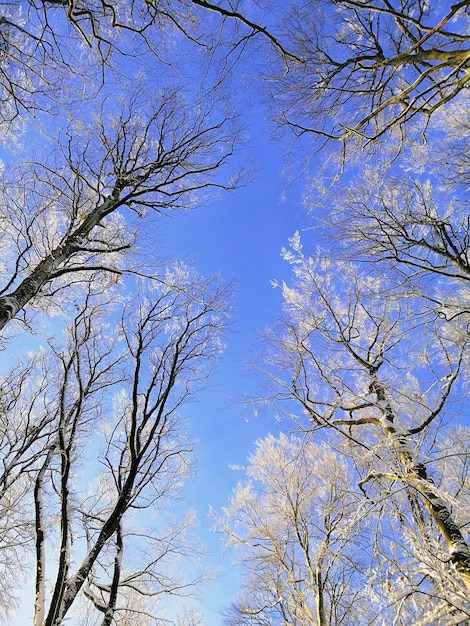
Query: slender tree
120,403
93,447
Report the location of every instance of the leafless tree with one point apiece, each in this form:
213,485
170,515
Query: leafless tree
101,448
373,348
366,68
369,366
314,551
122,150
81,211
408,219
169,332
57,55
188,18
295,525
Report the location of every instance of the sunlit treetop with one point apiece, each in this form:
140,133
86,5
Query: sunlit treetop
366,68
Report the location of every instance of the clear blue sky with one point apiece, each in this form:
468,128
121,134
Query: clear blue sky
240,236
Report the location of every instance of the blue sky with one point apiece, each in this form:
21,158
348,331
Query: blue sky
241,236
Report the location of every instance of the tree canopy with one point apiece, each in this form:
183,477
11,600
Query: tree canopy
116,115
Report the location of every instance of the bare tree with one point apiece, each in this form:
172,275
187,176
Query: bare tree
112,395
373,348
375,369
32,66
296,527
369,67
189,18
313,550
408,216
409,219
132,138
139,570
406,222
58,55
169,332
124,135
65,217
